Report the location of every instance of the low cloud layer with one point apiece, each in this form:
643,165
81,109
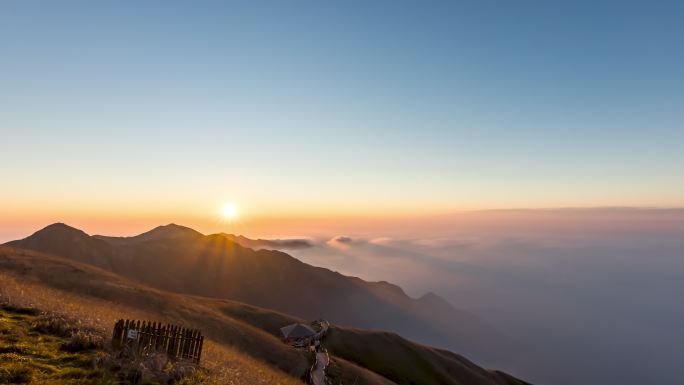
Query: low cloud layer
591,299
340,242
275,244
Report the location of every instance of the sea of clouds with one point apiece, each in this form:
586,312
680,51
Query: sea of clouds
587,296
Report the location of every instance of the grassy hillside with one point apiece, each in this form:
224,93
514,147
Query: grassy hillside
32,353
97,298
235,349
396,359
45,348
244,342
405,362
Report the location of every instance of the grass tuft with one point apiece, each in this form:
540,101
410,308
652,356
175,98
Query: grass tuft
16,374
83,340
53,324
20,310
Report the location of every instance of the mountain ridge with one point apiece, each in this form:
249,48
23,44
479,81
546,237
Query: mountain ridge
187,261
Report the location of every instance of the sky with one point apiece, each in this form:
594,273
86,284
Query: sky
120,115
412,129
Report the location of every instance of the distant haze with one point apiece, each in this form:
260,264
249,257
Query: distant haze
588,296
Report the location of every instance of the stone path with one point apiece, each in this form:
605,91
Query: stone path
322,358
318,374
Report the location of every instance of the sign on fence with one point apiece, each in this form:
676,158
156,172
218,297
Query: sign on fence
132,334
146,337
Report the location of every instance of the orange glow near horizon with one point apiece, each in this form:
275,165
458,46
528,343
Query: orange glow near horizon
270,218
17,225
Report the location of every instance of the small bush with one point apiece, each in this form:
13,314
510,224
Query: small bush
54,324
81,340
16,374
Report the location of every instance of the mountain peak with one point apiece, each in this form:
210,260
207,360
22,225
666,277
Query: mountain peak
174,227
171,230
434,299
64,240
59,225
62,229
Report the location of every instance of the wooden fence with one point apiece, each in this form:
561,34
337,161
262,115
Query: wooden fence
146,337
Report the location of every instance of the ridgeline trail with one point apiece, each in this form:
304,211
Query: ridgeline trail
322,358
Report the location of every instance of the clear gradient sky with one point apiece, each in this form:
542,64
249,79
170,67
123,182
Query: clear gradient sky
161,111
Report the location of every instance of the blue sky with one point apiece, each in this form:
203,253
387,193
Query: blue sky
306,106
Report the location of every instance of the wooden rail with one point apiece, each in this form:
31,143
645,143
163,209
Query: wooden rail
145,337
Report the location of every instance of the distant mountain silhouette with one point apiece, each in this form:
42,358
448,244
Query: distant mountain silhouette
271,244
61,239
180,259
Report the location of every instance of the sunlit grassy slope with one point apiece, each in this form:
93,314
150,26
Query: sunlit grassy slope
30,354
236,352
243,346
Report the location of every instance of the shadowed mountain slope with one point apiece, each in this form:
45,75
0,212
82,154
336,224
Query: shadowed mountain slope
180,259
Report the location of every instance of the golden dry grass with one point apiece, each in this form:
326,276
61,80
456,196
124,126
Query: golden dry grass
225,364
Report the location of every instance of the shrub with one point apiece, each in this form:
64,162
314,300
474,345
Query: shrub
82,340
54,324
16,374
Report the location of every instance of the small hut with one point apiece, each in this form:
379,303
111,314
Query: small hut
297,332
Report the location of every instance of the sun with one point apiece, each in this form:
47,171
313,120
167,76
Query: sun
229,211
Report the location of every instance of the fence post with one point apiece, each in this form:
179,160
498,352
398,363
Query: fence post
174,341
141,337
198,348
184,340
155,335
169,338
188,343
164,339
199,352
116,334
127,326
193,344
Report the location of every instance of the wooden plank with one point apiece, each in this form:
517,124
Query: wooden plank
199,353
191,348
115,334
